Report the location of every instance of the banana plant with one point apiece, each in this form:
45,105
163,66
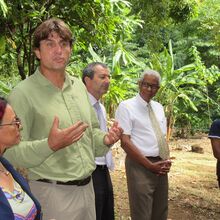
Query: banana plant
4,89
125,70
181,88
4,8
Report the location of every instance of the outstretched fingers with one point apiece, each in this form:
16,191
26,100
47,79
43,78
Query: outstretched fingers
76,131
114,134
60,138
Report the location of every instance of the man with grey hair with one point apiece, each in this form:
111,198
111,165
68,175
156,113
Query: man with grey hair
96,77
147,162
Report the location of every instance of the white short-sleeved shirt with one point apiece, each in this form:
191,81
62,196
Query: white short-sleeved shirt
133,117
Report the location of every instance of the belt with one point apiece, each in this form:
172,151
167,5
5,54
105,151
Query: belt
82,182
154,158
102,167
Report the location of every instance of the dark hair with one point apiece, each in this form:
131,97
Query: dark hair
54,24
3,104
90,70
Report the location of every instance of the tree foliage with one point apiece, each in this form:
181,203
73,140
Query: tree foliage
157,17
92,22
3,7
129,36
184,90
201,31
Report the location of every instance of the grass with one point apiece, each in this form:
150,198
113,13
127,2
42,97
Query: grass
193,191
193,183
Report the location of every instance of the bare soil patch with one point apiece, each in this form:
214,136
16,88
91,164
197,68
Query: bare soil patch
193,192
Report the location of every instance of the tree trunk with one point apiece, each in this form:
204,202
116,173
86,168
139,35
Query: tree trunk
20,63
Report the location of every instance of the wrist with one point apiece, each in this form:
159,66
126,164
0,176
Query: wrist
51,145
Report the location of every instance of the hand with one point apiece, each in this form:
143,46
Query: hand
59,139
161,167
166,167
114,134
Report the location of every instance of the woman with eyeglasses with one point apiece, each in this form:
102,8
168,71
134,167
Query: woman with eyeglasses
16,200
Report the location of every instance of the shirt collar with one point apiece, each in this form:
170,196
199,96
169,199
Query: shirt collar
46,82
92,99
68,81
141,101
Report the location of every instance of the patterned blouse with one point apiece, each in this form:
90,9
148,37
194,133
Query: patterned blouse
21,204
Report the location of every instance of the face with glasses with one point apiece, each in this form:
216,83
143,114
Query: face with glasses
148,87
9,128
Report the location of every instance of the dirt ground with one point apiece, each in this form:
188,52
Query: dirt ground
177,209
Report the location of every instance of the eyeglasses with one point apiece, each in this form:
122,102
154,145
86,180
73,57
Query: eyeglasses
148,85
16,122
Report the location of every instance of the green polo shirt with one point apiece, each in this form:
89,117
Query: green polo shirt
36,102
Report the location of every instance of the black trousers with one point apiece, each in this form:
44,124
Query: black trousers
104,200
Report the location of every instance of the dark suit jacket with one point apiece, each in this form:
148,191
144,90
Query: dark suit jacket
5,208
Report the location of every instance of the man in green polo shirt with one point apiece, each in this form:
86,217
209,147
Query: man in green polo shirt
61,135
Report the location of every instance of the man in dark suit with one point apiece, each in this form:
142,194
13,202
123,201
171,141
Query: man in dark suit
96,77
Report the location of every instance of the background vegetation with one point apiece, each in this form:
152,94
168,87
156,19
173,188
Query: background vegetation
179,38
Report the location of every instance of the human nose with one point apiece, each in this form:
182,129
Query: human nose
18,123
107,80
149,88
57,48
19,126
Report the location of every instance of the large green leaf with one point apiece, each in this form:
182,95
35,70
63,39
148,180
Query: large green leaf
3,7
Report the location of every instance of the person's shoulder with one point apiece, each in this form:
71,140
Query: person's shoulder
73,77
75,80
5,162
102,105
24,88
127,105
216,122
26,83
130,100
127,102
156,104
214,131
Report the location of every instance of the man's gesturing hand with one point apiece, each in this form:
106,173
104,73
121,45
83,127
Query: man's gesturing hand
61,138
114,134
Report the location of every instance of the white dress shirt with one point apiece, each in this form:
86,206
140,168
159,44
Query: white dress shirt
133,117
107,159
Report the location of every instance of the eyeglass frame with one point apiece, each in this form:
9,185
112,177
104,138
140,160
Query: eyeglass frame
17,122
148,85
